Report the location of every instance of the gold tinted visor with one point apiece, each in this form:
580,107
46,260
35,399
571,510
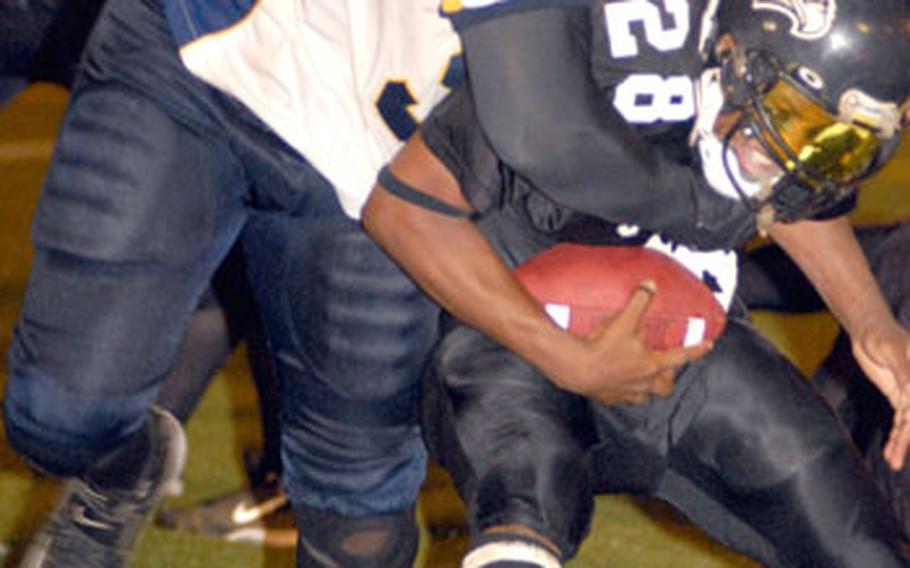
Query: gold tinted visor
811,143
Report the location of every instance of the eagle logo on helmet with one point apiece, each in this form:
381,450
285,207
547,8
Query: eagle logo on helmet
811,19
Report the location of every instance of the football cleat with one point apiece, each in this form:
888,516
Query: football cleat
260,515
95,527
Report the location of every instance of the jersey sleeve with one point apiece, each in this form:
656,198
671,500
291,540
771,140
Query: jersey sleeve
453,135
544,116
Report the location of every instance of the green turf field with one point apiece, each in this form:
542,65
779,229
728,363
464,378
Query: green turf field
626,533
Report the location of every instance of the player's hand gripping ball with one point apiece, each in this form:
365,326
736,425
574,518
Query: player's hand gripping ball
581,286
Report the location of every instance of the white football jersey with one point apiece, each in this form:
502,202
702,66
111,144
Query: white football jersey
341,81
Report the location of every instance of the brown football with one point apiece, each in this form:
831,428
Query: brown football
580,286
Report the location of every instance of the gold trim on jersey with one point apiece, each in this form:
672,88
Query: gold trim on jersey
451,6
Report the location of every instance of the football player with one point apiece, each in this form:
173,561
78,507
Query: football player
795,103
41,41
189,118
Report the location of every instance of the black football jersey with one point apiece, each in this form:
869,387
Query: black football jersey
642,58
645,54
634,165
646,57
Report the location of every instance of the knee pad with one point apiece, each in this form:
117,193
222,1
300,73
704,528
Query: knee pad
61,432
353,470
348,324
509,551
376,541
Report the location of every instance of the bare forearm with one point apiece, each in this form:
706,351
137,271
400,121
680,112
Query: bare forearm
829,255
831,258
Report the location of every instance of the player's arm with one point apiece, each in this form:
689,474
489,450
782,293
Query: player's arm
531,78
449,257
830,256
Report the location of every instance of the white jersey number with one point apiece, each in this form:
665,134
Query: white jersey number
644,98
717,269
621,15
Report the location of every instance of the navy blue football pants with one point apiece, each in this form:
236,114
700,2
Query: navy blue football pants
154,176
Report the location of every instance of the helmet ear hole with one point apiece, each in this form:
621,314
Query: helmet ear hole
811,78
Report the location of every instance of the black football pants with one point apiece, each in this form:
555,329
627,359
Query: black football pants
744,447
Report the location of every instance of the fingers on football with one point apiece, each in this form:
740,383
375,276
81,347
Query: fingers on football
634,312
679,356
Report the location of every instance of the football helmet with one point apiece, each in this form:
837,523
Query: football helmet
822,86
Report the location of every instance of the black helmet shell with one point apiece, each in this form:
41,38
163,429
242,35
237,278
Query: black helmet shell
829,46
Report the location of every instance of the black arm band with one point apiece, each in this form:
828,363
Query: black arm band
407,193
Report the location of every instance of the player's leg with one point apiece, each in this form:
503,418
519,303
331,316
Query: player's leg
259,511
350,334
232,289
762,464
264,466
133,219
515,447
204,350
225,316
